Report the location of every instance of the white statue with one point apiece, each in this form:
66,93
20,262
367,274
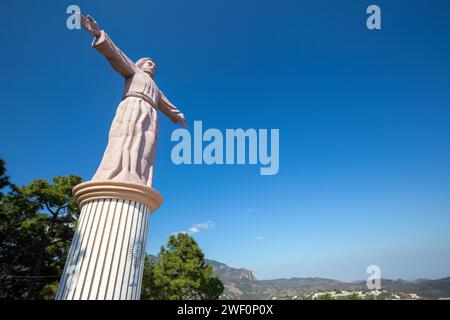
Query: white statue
130,154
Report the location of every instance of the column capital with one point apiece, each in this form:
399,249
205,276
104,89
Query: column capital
108,189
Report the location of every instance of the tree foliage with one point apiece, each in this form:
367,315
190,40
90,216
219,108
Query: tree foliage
36,227
4,179
325,296
180,272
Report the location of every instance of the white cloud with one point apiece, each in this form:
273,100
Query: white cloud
197,227
204,225
259,238
193,230
251,209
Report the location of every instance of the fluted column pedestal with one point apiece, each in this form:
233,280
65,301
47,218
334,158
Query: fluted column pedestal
106,257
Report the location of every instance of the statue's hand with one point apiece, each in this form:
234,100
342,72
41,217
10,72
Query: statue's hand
90,25
182,121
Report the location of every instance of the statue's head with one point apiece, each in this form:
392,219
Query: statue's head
147,65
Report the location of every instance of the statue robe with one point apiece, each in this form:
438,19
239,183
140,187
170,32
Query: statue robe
130,154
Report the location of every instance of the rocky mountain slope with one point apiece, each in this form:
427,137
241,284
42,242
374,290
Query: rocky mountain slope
229,273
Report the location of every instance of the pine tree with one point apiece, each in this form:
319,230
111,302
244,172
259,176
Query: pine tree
180,272
36,227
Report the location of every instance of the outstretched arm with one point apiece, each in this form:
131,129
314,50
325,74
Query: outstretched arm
172,112
118,60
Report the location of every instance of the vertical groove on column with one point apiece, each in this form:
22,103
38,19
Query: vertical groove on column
144,253
87,251
135,295
112,278
136,253
102,249
137,260
73,247
128,256
80,253
123,253
92,264
109,252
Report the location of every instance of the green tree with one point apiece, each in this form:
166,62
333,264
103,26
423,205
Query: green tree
354,296
4,179
180,272
36,227
325,296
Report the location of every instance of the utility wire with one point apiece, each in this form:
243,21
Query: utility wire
14,276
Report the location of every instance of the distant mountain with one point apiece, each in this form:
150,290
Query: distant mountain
242,284
433,289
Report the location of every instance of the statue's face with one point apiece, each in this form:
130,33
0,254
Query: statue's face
149,67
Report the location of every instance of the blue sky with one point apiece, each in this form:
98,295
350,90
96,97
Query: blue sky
364,119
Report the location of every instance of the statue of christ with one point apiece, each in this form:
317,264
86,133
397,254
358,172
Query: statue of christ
130,154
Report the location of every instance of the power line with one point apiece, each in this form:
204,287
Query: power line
15,276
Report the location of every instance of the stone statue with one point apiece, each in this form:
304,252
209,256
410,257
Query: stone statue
130,154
